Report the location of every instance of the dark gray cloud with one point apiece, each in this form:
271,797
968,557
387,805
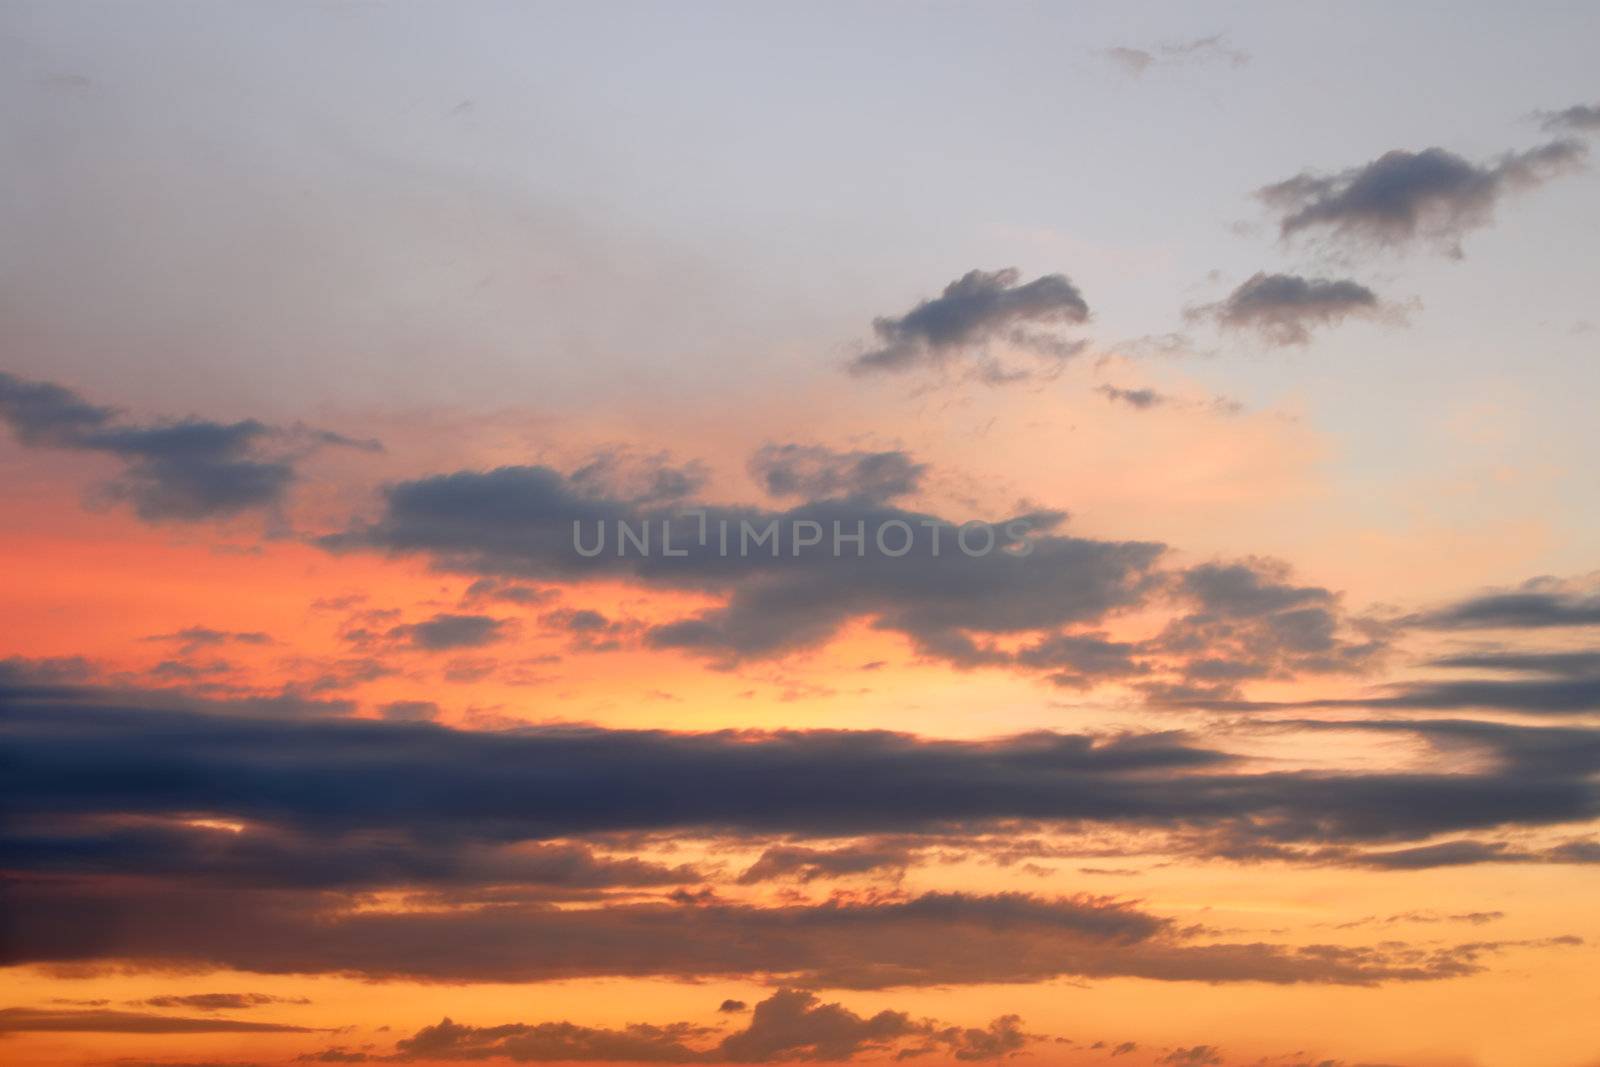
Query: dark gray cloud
806,864
1084,659
938,597
410,711
1540,603
812,472
325,811
640,480
106,1021
1143,399
1282,309
1537,696
577,620
554,1042
183,470
219,1001
791,1025
587,630
509,592
1402,198
1249,620
446,632
194,638
931,939
265,856
320,805
979,308
1146,399
1543,696
520,522
1442,854
777,597
1570,664
1579,118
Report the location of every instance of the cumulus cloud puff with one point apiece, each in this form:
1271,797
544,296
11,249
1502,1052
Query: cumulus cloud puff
1433,197
1282,309
978,309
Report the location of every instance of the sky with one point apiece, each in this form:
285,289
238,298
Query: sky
762,533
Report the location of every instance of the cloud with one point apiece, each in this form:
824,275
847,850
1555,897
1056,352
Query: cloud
1282,309
1432,197
808,864
930,939
640,480
812,472
795,1025
546,1042
410,711
1540,603
102,1021
1193,1056
521,522
446,632
1146,399
316,803
588,630
194,638
1200,50
1249,620
219,1001
1579,118
1544,696
304,821
958,592
1443,854
182,470
1461,852
979,308
264,856
510,592
791,1025
1570,664
1143,399
1133,60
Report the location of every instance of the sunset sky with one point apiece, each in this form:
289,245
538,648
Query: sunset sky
1178,644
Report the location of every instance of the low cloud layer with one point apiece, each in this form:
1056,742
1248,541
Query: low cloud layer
930,939
110,1021
317,801
790,1025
